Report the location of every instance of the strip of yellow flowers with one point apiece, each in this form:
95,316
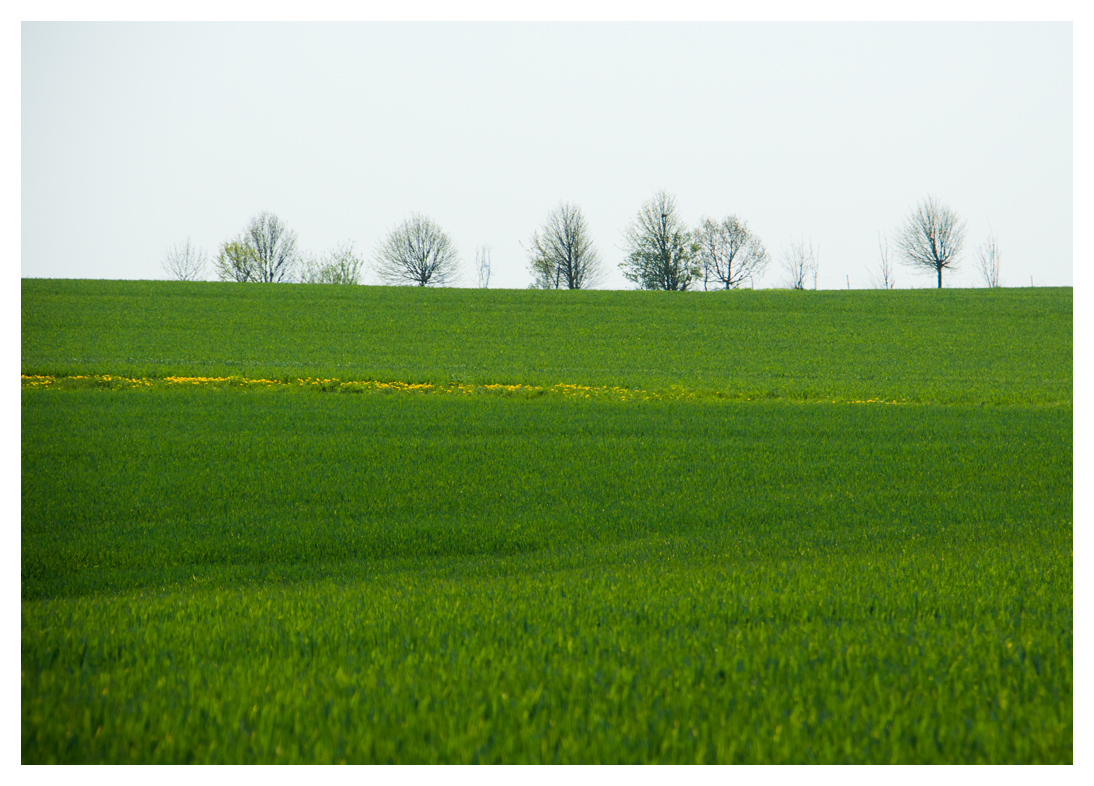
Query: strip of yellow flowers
563,390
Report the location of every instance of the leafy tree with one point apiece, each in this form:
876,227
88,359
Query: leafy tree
562,255
660,251
417,252
236,261
339,266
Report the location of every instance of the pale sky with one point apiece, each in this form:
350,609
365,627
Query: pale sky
136,136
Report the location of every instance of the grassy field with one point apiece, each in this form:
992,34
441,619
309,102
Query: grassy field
232,571
952,346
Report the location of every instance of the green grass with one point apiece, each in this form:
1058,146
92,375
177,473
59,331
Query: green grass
1002,346
240,574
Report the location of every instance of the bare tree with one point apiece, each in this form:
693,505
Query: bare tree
661,253
561,254
274,247
987,260
338,266
800,263
184,262
417,252
729,252
882,276
482,265
931,238
236,261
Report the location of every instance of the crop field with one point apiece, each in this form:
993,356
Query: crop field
289,523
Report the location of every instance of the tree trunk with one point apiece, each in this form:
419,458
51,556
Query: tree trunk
940,278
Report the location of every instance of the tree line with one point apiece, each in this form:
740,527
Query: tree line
661,252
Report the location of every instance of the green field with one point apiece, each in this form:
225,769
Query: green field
719,555
955,346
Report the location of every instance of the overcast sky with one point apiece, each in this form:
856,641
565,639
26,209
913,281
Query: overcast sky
138,135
